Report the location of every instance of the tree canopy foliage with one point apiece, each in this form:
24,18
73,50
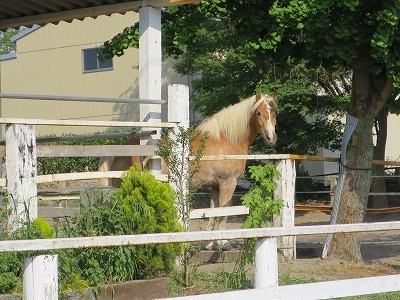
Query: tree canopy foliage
357,35
228,67
6,45
293,46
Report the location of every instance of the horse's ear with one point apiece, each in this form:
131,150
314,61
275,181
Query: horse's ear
258,95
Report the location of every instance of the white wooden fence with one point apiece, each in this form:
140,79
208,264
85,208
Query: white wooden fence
21,179
21,154
266,286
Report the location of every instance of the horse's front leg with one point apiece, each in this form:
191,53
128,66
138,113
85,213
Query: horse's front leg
211,221
226,190
213,203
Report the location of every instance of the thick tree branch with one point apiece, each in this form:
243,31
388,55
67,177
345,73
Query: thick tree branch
346,85
387,89
328,90
381,97
337,88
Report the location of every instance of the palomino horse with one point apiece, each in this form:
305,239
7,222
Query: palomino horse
231,131
118,163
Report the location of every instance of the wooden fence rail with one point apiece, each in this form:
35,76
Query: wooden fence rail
266,267
22,152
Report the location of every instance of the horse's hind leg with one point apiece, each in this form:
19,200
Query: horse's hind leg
105,165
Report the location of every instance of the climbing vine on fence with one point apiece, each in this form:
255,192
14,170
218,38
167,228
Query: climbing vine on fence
175,149
262,207
260,198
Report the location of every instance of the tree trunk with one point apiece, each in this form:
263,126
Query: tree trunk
355,190
365,103
378,183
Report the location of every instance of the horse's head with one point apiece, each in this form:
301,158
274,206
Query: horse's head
264,116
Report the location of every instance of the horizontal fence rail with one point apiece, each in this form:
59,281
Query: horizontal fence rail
201,213
334,159
80,99
179,237
310,291
245,157
289,156
89,150
6,121
92,136
87,176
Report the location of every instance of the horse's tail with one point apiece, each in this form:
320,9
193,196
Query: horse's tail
105,165
164,167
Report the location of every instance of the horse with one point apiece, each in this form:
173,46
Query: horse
230,131
118,163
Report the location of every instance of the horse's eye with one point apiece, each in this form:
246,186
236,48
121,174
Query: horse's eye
258,113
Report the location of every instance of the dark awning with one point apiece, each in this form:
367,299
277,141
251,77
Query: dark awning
16,13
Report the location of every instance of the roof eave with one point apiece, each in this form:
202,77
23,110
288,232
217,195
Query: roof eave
81,13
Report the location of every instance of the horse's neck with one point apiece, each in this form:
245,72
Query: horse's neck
251,136
244,146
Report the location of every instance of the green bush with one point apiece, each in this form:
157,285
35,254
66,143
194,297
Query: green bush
12,263
42,227
150,205
141,205
10,272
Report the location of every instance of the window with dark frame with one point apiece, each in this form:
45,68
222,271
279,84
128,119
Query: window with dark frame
91,62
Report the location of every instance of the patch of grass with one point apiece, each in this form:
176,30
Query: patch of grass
216,282
287,279
201,282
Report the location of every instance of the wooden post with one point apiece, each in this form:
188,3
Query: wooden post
285,190
21,174
178,104
266,263
332,187
150,69
40,279
63,202
178,112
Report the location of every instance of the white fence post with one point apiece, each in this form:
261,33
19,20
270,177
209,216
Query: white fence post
40,279
150,69
21,174
266,263
285,190
178,112
178,104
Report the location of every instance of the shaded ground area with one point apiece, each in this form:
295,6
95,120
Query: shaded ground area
380,251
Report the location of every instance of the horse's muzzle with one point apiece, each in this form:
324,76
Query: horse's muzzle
270,137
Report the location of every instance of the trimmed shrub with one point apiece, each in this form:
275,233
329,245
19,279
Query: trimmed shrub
42,228
12,263
141,205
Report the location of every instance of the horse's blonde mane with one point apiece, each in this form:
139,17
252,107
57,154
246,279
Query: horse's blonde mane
233,121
